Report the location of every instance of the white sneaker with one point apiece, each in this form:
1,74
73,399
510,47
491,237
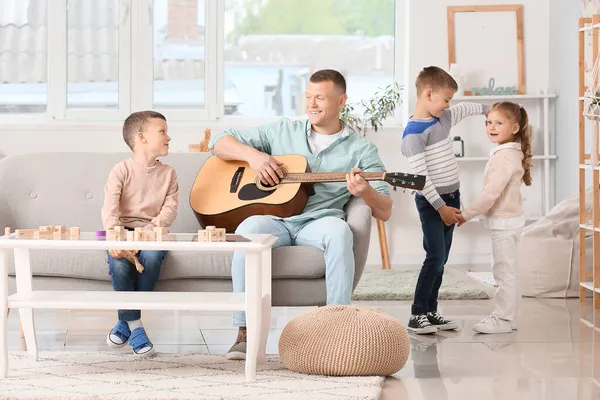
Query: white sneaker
493,324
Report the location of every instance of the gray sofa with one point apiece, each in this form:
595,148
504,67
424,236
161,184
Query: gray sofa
68,189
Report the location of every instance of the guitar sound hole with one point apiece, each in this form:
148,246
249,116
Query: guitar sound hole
252,192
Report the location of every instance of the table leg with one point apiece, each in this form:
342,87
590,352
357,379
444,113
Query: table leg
4,309
24,287
253,311
266,305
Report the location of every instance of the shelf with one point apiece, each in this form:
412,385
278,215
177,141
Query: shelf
589,227
589,28
83,300
589,286
507,97
466,159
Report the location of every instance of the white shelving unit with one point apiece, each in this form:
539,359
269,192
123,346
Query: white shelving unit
541,104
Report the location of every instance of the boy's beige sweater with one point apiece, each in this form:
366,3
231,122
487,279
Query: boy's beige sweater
503,176
138,196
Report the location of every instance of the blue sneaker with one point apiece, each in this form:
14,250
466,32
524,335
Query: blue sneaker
142,346
119,335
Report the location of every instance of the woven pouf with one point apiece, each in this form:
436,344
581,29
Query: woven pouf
344,341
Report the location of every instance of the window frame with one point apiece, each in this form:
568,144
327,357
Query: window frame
136,90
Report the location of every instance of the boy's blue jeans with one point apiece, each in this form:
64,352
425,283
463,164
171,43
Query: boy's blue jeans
437,239
330,234
125,278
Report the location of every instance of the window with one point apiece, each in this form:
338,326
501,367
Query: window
195,60
269,58
93,54
23,62
178,54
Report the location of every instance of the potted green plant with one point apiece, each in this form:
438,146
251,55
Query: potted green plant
370,114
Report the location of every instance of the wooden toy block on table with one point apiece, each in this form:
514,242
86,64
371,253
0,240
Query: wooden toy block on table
74,233
160,233
24,233
211,234
7,232
43,235
112,234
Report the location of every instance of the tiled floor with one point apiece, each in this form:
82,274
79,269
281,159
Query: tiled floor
550,357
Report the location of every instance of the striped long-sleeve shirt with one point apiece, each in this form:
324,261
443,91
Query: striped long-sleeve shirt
427,146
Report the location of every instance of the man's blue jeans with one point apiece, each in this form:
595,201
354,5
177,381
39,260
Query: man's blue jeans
125,278
330,234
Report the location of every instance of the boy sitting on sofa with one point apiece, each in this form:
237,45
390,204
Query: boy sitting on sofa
140,192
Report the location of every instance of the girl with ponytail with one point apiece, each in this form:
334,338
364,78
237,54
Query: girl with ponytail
501,205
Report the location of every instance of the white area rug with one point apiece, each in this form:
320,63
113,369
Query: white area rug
104,375
396,284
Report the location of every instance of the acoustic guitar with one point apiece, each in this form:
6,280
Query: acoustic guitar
227,192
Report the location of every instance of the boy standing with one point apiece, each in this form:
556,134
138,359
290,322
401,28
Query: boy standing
140,192
427,146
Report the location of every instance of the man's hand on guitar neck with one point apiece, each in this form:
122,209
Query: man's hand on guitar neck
356,184
381,205
266,167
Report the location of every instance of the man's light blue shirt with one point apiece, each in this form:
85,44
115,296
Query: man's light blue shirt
349,151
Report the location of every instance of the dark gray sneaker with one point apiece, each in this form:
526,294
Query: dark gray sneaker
420,325
441,323
237,351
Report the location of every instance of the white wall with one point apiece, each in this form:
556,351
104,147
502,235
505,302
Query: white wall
564,72
545,67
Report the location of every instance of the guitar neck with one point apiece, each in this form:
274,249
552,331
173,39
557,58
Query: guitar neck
328,177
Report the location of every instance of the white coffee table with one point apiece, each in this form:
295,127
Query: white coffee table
256,301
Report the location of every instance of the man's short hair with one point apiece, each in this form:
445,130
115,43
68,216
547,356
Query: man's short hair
434,78
326,75
136,122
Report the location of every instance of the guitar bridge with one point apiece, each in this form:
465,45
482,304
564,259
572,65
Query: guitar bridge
235,181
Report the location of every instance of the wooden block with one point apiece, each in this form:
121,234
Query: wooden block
57,236
219,235
138,229
130,236
160,233
7,232
24,233
162,230
149,236
203,236
138,236
112,235
60,229
210,228
74,233
46,228
42,235
120,229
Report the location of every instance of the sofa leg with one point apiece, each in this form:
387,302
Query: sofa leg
385,257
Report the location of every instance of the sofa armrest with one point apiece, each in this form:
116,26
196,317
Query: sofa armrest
358,217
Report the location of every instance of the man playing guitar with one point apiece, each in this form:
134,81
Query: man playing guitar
328,146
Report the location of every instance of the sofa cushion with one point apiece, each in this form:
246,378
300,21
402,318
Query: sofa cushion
177,264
